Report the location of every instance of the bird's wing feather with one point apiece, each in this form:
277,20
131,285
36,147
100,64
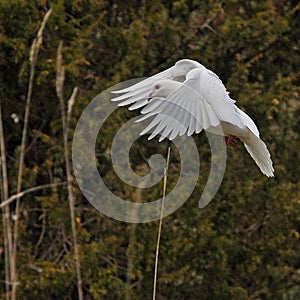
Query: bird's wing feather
259,152
184,110
140,91
138,94
148,82
214,92
248,121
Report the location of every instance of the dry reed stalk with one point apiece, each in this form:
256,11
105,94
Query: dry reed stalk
160,223
5,210
34,51
66,115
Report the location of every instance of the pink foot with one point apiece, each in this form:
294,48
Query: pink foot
232,140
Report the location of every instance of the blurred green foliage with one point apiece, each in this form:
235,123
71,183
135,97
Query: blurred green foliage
245,244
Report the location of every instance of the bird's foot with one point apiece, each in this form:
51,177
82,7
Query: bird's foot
232,140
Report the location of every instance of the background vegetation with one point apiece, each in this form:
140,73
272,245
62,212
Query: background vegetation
54,244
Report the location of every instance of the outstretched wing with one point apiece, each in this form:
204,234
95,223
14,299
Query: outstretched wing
138,94
214,92
183,111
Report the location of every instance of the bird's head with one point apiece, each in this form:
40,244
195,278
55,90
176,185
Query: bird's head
163,88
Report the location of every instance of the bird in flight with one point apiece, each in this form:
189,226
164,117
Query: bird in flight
188,98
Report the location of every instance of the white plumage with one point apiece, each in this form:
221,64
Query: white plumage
188,98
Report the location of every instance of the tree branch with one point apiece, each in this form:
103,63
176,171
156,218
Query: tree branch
36,45
31,190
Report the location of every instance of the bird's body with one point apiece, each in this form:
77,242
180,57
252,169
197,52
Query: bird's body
188,98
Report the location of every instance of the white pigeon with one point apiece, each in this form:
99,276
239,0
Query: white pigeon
187,98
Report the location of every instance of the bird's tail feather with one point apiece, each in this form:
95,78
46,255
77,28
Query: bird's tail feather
259,152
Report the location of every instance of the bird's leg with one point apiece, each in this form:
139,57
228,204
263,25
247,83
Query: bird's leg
232,140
